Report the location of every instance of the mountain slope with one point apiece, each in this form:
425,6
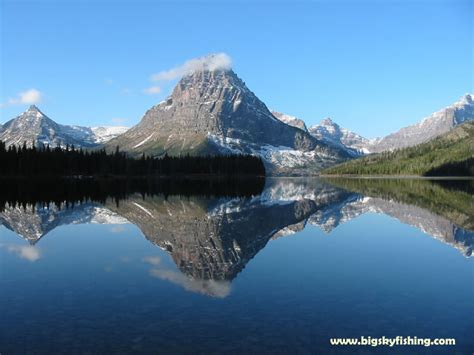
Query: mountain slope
213,112
290,120
430,127
454,149
34,126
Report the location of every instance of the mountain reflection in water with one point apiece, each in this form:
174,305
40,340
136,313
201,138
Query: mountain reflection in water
212,232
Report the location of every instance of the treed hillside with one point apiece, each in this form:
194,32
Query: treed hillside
44,161
451,199
451,154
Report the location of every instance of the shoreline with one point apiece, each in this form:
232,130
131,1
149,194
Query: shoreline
393,177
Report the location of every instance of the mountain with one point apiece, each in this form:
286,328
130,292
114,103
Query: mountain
430,127
34,126
331,132
290,120
451,154
32,222
213,112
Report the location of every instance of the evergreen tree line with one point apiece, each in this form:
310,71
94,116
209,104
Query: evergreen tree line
46,161
456,168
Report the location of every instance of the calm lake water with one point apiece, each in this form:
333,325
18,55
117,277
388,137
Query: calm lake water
275,268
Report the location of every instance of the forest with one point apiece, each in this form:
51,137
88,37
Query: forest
58,162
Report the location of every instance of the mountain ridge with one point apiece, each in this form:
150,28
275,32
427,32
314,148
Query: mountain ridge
451,154
430,127
33,126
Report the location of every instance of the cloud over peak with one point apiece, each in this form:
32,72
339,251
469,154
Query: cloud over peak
153,90
28,97
211,62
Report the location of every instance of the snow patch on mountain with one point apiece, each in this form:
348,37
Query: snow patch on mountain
104,134
273,156
331,132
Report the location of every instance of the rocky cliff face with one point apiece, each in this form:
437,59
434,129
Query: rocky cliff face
215,112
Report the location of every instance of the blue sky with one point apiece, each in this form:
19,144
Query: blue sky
373,66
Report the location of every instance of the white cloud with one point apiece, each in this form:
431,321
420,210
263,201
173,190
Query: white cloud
118,120
117,228
214,288
152,260
27,252
217,61
153,90
28,97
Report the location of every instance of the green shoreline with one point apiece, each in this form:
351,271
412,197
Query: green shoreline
391,177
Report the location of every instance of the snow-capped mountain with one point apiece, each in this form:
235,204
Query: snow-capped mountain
330,131
430,127
290,120
33,126
32,222
215,112
103,134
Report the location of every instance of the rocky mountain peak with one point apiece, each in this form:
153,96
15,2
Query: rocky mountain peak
328,122
34,127
214,112
33,117
206,85
33,108
466,99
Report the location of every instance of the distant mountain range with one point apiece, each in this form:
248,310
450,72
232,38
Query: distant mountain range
428,128
33,126
214,112
450,154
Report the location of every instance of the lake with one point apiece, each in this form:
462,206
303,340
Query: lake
275,266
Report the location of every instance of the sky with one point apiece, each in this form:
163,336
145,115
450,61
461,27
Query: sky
372,66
